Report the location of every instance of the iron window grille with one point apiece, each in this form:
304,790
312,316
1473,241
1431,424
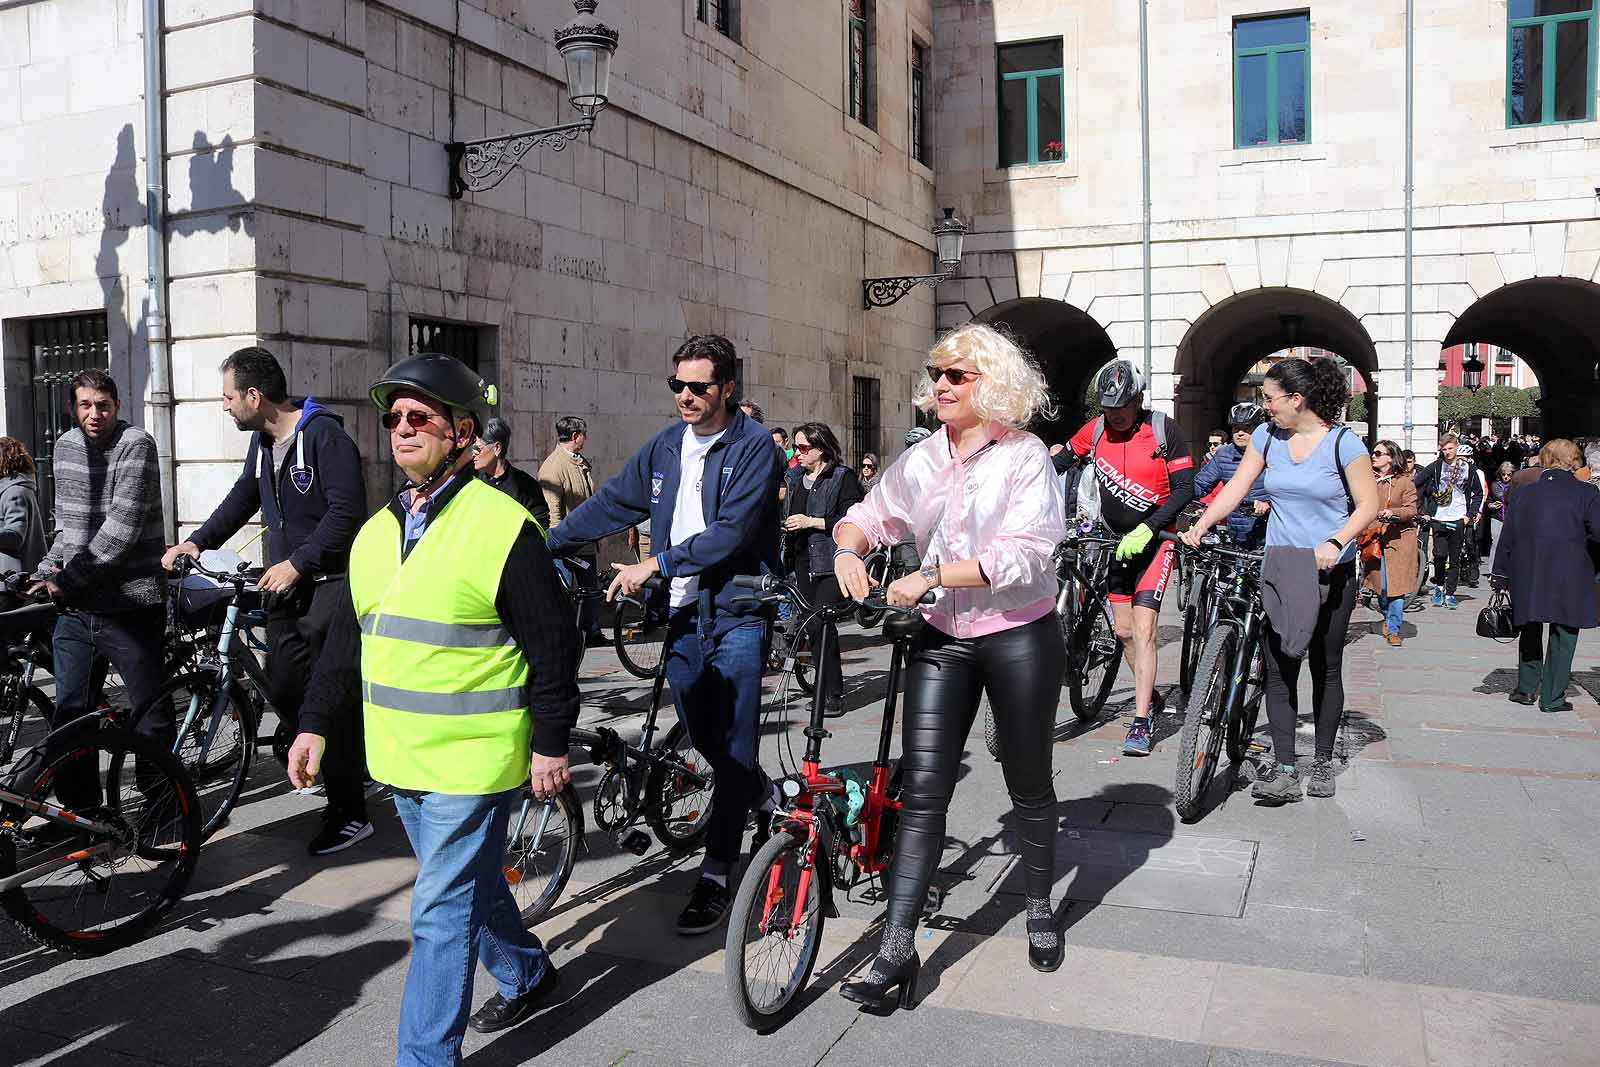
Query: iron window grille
919,103
864,425
860,33
59,348
718,14
449,338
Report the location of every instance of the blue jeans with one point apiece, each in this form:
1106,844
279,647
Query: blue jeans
717,688
462,912
1394,607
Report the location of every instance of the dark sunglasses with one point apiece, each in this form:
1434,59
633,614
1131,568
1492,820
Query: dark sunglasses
413,418
1381,452
954,375
678,385
807,448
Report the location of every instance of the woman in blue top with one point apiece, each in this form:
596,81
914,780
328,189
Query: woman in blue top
1319,480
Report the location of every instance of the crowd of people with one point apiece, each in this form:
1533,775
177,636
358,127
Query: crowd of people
429,647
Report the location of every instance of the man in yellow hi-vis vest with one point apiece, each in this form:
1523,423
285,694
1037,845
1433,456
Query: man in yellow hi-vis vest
467,657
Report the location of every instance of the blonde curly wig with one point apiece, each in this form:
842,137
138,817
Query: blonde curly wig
1012,390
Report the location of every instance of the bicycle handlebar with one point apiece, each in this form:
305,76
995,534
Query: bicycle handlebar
240,576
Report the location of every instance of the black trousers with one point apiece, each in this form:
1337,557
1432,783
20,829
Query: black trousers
1447,541
296,630
1020,670
822,590
1327,671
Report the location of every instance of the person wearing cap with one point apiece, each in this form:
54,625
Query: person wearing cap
302,472
467,660
1247,525
491,458
1450,496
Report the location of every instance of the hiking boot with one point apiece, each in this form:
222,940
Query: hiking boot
1396,640
1137,743
1321,784
1281,785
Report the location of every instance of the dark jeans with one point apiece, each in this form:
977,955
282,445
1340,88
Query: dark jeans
1020,669
717,687
131,641
821,590
1447,541
1545,672
1470,559
1327,671
296,630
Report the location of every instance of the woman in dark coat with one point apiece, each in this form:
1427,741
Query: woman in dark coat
1544,558
819,489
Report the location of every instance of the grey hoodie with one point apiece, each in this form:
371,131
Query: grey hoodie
22,542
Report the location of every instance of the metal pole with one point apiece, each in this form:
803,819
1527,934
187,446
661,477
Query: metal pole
158,405
1144,157
1411,388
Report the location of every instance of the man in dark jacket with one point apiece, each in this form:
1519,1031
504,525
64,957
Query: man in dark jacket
708,484
303,474
1450,495
1248,525
491,458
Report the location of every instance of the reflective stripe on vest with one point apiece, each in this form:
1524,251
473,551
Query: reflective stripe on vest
444,688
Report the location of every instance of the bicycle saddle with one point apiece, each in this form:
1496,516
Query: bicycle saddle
903,625
30,615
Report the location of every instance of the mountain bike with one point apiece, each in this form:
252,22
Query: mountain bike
1229,683
884,567
665,783
822,838
25,648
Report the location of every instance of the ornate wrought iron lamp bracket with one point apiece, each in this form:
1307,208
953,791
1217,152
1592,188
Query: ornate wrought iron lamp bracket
881,292
476,166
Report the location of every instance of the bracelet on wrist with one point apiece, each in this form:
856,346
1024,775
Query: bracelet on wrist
1336,543
846,552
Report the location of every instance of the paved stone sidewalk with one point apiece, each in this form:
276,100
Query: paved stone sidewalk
1441,909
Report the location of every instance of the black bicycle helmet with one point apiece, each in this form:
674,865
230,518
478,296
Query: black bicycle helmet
444,379
1119,383
1245,414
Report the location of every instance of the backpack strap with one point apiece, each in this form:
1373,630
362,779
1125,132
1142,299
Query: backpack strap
1344,479
1099,432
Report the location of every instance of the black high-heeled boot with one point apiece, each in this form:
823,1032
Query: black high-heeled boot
874,988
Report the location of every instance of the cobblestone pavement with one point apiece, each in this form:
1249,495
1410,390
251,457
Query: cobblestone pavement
1440,909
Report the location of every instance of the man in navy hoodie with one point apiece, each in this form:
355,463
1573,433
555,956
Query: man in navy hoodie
708,484
302,472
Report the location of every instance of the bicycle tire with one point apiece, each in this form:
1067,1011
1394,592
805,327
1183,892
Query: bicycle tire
681,833
1194,618
1242,727
1415,601
1100,650
42,706
640,641
1177,578
532,843
771,883
991,733
152,803
1204,730
805,668
219,780
877,565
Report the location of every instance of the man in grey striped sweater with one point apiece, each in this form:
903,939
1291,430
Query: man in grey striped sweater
105,562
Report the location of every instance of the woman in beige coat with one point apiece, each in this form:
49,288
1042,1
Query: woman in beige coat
1393,575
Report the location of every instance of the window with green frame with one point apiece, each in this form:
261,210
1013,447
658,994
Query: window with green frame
1032,103
1272,80
1550,64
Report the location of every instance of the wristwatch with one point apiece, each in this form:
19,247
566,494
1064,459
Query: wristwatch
930,574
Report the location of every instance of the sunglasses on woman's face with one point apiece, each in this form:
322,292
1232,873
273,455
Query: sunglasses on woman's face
678,385
413,418
1380,452
954,375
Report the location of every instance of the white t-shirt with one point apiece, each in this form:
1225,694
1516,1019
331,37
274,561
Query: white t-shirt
1456,509
688,514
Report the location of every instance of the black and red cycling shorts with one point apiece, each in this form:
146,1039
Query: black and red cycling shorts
1144,578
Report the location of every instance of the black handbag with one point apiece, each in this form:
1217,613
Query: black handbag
1494,621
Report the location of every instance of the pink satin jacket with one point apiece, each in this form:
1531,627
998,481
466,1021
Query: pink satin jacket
1001,506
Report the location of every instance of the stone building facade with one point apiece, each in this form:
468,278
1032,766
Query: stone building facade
724,189
1260,248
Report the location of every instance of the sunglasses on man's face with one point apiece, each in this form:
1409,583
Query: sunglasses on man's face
413,418
954,375
678,385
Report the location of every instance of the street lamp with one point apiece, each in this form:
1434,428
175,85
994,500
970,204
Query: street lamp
1472,372
586,45
948,235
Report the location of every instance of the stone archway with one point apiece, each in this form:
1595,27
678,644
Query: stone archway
1554,325
1237,332
1069,345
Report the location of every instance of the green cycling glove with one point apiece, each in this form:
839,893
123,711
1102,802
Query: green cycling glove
1134,542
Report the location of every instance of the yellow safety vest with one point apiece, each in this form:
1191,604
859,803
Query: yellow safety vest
444,687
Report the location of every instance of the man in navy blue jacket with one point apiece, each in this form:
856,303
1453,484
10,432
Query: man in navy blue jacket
302,472
1248,525
708,484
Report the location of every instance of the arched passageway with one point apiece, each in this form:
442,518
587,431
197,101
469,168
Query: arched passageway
1237,333
1070,346
1554,325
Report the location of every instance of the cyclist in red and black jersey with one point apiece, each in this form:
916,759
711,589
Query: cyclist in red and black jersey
1143,487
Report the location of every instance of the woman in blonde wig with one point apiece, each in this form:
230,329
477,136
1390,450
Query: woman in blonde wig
982,500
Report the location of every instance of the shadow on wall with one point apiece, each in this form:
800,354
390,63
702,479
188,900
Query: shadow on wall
211,182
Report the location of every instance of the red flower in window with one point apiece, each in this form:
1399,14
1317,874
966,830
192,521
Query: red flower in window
1052,150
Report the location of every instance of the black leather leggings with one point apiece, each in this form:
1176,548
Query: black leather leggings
1020,670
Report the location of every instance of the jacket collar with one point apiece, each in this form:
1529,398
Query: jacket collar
736,429
439,501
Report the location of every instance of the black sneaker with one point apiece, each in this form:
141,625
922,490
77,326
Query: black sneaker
707,906
498,1013
338,833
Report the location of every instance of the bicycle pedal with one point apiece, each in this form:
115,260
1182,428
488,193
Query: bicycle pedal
635,841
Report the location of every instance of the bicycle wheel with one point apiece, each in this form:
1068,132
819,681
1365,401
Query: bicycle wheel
1203,726
877,564
1099,654
1415,601
1195,617
14,715
1179,579
217,746
774,931
805,669
1242,727
126,880
640,638
541,847
677,792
